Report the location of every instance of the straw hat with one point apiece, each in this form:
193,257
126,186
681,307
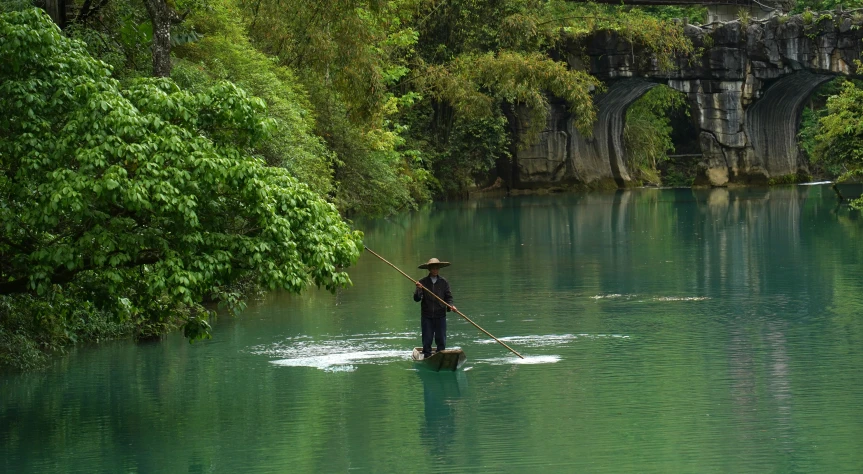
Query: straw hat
433,262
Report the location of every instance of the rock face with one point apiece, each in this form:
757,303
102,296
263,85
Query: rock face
746,92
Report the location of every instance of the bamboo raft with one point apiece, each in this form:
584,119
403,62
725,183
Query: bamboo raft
449,359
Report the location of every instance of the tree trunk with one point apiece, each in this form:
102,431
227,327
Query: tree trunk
162,16
56,9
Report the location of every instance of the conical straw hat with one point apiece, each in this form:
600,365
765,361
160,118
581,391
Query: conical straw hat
434,262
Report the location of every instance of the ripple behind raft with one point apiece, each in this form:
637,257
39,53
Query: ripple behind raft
344,362
548,340
339,354
528,360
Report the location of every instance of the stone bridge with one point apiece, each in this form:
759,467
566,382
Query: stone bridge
746,92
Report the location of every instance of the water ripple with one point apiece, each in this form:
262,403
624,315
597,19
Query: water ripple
338,354
528,360
549,340
615,296
344,361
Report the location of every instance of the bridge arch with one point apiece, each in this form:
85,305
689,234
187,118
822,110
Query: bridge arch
563,155
604,151
746,89
773,121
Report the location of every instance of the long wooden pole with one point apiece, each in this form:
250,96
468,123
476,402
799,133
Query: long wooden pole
451,307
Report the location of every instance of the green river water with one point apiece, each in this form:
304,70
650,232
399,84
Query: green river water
667,331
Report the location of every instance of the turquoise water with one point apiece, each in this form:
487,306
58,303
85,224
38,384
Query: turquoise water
663,331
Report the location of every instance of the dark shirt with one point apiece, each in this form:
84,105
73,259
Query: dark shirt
430,306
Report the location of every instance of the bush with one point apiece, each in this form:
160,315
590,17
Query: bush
142,201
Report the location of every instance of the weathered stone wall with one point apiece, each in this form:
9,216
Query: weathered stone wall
746,91
604,149
548,160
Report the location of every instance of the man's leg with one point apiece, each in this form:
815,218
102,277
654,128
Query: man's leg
440,334
428,331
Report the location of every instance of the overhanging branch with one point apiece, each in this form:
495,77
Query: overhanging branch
61,276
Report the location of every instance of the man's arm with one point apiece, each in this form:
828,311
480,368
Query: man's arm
418,293
447,296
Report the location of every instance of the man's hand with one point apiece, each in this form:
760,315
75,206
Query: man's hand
419,285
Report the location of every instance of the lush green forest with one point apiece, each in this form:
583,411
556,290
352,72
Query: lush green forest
160,157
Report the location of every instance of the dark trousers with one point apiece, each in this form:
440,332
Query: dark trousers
433,328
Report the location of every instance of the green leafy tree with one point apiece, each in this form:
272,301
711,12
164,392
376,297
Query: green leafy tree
350,55
839,142
225,53
118,32
356,48
475,84
810,126
463,159
647,133
145,199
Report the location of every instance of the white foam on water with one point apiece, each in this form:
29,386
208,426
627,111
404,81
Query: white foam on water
817,182
615,296
396,335
341,368
338,353
612,296
681,298
400,338
533,341
343,362
548,340
528,360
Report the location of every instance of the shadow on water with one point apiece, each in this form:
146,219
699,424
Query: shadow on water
443,393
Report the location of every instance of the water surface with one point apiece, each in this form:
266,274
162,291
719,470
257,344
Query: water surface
663,331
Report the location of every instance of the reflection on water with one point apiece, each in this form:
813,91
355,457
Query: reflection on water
663,331
443,394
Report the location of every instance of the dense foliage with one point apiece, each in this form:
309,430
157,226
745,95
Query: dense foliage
398,86
829,133
647,133
483,60
840,136
382,102
348,55
823,5
224,53
144,200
